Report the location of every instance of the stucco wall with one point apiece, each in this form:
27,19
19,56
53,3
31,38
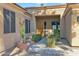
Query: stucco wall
8,40
33,24
75,28
66,26
70,25
1,24
63,28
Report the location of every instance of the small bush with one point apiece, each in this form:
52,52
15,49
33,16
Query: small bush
36,37
57,34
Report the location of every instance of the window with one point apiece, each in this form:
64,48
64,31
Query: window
13,22
9,21
78,19
6,21
27,26
55,25
45,25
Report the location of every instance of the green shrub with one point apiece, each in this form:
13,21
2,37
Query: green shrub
36,37
57,34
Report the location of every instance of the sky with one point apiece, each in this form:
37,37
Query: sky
36,4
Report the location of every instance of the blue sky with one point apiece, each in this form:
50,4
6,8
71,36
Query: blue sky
36,4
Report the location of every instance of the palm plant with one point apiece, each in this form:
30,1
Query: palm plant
51,41
57,34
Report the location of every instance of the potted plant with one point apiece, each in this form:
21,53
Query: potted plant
51,41
22,44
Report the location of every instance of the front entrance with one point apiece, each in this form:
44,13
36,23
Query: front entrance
55,25
47,24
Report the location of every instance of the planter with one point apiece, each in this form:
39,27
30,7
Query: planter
22,46
52,45
33,42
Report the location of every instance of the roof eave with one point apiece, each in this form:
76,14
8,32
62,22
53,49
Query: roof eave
25,11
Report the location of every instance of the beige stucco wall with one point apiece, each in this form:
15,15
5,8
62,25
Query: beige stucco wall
63,28
33,24
66,26
1,39
8,40
71,26
75,28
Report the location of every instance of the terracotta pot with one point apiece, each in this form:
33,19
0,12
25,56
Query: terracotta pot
33,42
22,46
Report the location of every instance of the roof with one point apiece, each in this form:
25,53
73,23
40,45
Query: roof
75,5
69,6
48,7
22,8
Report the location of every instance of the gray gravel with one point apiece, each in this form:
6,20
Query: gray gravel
40,49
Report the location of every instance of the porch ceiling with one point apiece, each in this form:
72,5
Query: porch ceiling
47,16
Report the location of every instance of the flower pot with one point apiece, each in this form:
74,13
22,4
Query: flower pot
33,42
22,46
51,42
53,45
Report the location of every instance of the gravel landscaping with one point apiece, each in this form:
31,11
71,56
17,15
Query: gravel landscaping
40,49
45,51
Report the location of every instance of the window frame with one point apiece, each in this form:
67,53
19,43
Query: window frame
9,20
27,26
78,19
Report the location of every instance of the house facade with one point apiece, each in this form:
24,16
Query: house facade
12,17
70,19
38,20
65,17
45,17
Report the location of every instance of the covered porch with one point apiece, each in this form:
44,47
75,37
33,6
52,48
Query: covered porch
47,23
